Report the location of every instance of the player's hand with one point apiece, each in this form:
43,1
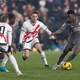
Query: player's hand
53,33
20,47
9,49
52,36
14,48
55,42
54,39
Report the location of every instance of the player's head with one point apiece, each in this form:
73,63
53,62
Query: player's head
71,15
11,19
34,16
5,18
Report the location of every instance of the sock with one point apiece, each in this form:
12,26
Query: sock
4,60
14,63
44,58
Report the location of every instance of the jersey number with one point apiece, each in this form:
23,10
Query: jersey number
2,36
2,28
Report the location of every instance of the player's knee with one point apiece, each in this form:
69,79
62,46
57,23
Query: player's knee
9,54
26,56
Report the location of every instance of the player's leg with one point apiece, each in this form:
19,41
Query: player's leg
14,63
76,50
1,56
67,48
3,48
72,56
42,54
26,54
27,49
37,45
4,61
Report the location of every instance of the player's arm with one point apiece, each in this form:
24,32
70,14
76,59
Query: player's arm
49,33
9,40
14,47
44,27
21,39
63,27
23,30
22,33
21,36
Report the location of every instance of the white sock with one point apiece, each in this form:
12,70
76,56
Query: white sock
44,58
5,59
14,63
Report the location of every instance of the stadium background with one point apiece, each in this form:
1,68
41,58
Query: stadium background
52,14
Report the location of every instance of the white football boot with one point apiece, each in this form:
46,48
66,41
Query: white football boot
55,67
19,73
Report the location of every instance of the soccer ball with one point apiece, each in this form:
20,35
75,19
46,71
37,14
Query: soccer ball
66,65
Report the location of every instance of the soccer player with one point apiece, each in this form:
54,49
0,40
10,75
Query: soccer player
73,25
4,61
6,41
29,37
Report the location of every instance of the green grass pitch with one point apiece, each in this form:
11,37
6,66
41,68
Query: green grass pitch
33,68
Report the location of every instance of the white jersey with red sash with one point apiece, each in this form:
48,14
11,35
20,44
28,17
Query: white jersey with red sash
4,29
31,31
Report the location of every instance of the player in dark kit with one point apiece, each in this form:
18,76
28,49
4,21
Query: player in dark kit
73,24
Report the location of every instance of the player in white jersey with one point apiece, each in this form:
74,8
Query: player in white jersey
6,41
29,37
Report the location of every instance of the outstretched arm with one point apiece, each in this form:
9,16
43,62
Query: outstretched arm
50,33
60,30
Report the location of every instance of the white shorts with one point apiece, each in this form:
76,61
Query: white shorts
5,47
29,45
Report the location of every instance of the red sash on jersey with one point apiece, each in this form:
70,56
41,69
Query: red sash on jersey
34,33
2,35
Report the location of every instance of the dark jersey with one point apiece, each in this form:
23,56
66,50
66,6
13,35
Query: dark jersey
74,29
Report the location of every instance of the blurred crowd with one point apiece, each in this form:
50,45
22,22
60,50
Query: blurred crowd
52,14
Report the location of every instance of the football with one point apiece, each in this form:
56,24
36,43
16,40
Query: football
66,65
